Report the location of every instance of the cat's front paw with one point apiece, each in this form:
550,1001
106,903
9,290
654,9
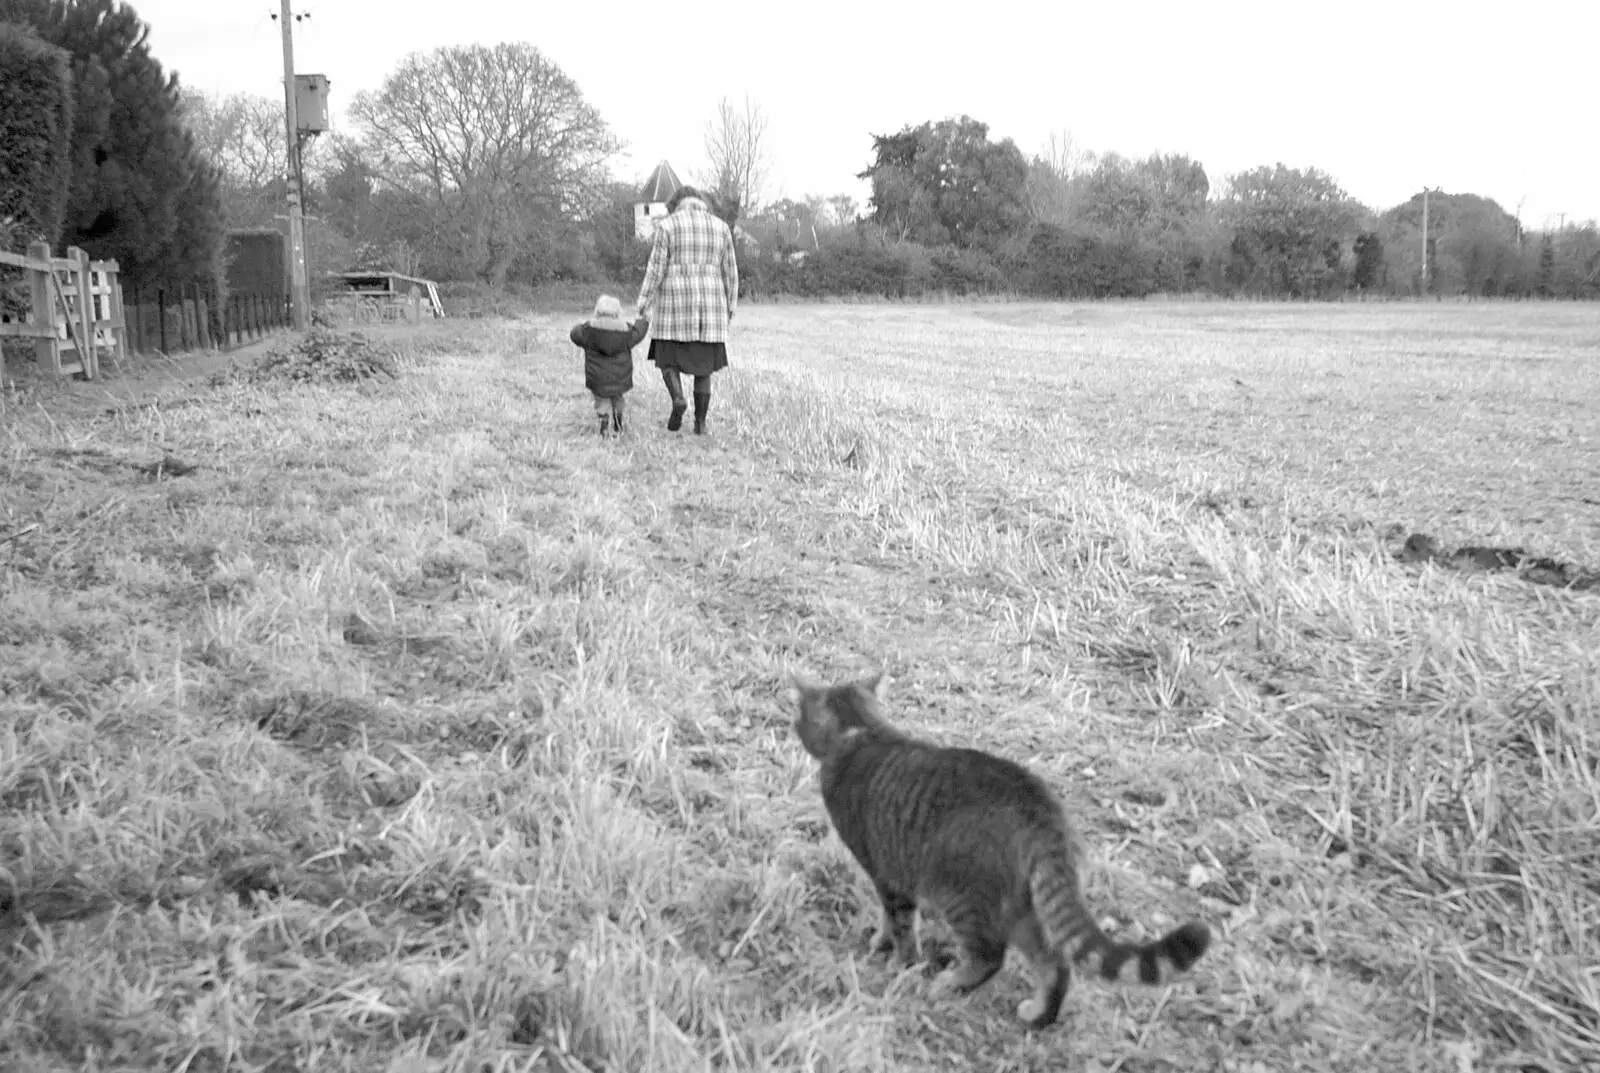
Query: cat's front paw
947,984
1036,1013
906,954
881,942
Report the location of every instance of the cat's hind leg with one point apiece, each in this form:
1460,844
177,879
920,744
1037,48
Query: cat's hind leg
1051,974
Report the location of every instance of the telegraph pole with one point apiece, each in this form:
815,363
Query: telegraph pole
300,292
1424,235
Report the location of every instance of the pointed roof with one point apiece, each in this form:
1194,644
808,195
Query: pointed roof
661,184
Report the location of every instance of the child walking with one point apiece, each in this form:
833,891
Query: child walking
608,341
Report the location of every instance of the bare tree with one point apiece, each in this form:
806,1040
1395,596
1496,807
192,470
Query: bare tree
736,147
844,209
1055,179
498,143
817,206
242,136
1065,157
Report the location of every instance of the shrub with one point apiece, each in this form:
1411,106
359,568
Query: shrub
1085,263
35,136
968,271
866,266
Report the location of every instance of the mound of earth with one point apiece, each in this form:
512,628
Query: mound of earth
1422,548
320,356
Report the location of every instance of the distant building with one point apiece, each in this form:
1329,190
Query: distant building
652,203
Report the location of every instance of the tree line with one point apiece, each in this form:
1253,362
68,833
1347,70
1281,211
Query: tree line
951,211
456,193
954,211
486,163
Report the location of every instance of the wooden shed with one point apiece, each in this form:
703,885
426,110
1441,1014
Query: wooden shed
388,294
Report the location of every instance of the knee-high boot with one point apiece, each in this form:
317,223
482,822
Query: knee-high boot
702,403
675,389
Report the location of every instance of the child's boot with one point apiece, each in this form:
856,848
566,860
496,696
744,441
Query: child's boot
616,422
605,424
702,403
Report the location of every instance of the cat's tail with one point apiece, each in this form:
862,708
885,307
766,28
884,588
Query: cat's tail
1068,925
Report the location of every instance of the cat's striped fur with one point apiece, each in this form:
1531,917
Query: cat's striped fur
975,836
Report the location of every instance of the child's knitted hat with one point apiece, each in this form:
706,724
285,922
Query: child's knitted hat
607,313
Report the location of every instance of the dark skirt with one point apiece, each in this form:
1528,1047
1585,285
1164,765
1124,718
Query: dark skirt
696,359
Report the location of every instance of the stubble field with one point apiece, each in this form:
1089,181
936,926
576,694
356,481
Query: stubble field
416,728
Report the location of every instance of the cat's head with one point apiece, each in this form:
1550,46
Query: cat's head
830,715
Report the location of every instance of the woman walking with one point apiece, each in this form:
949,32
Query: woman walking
690,291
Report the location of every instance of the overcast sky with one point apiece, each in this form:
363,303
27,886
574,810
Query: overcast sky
1385,96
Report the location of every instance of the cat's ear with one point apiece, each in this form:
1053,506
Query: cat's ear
878,684
801,686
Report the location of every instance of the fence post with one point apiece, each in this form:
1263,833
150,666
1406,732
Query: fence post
88,353
119,315
161,316
43,305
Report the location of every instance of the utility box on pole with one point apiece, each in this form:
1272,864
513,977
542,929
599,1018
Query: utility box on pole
311,103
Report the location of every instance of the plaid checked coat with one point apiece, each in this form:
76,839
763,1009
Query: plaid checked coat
691,286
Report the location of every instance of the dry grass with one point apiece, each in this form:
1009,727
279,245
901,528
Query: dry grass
417,729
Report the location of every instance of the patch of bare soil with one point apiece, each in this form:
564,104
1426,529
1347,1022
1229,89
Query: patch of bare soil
142,380
1538,569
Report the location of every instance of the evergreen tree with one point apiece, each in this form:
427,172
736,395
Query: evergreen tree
35,137
195,252
137,193
947,182
1369,260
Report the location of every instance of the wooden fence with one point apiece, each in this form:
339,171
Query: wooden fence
76,314
74,311
192,317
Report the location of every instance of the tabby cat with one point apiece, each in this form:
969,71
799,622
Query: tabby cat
978,838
